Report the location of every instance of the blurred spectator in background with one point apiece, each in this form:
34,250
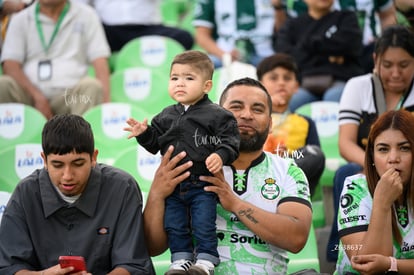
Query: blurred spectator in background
406,8
243,28
11,6
373,16
326,45
124,20
8,7
46,56
291,135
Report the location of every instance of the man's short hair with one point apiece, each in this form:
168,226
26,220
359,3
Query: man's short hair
67,133
246,81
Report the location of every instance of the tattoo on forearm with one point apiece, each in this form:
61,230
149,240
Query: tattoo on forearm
248,213
293,219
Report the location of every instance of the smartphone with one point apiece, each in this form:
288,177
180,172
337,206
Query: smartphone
78,262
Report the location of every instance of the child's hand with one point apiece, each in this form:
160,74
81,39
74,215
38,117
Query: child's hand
136,128
214,163
278,100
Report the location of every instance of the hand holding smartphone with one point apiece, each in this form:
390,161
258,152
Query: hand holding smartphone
78,262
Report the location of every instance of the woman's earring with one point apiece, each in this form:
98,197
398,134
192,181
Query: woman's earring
373,164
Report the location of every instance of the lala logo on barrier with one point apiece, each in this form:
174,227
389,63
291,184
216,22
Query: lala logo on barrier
11,120
114,116
137,83
27,159
153,50
325,115
147,163
4,198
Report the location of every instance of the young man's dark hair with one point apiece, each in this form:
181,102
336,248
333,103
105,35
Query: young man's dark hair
279,60
64,134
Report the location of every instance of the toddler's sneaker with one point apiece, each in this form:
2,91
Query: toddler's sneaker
179,267
202,267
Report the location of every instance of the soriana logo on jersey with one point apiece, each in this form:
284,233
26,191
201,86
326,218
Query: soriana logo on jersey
153,50
114,116
11,120
27,159
137,83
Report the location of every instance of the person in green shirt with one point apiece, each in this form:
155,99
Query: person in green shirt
242,28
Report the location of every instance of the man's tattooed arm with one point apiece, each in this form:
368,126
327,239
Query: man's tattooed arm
248,213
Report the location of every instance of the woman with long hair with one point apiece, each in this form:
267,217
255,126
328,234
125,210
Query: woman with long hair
375,217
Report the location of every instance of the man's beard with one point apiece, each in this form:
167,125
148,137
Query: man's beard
253,143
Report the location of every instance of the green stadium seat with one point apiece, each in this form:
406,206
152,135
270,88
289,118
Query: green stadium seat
140,163
111,64
171,12
187,18
318,214
307,257
318,209
142,166
178,13
112,61
4,198
20,123
143,87
18,161
152,51
108,121
325,115
162,262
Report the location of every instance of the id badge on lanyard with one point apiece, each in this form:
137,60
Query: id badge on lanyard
44,70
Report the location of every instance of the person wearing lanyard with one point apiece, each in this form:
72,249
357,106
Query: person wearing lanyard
46,56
